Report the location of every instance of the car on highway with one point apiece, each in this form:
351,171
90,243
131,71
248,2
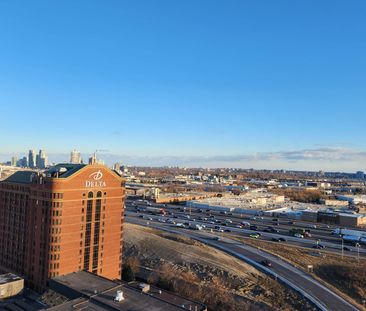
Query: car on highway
274,230
266,263
276,240
318,246
227,230
228,221
345,248
254,236
180,225
267,230
282,240
253,227
298,235
245,223
141,216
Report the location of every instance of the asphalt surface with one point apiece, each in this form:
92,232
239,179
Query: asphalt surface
321,234
328,299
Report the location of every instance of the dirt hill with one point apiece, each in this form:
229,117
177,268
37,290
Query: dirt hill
203,273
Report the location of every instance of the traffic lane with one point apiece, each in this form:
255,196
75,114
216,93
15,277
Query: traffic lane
316,234
266,219
295,276
281,225
314,239
283,269
266,236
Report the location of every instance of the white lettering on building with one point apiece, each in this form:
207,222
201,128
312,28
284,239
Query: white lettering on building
96,182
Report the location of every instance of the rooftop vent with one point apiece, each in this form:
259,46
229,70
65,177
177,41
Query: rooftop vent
119,296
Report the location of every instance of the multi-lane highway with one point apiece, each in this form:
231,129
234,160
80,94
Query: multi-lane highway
320,295
268,227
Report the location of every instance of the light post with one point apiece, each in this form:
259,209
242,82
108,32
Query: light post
358,252
342,248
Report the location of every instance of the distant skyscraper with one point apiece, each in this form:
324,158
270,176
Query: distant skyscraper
117,167
14,161
75,157
360,175
93,160
32,159
41,159
23,162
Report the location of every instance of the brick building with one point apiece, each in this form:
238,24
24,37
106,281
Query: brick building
66,219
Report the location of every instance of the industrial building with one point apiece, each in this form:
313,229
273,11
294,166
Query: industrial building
251,203
68,218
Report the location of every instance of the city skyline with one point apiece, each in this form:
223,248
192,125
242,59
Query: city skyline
289,160
264,85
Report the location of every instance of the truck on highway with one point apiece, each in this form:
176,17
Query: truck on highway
351,236
343,232
195,226
154,210
300,231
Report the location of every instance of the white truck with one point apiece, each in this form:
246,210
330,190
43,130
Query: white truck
195,226
352,236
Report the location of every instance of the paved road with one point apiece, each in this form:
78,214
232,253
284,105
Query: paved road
329,300
322,233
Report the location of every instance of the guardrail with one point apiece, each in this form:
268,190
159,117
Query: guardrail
312,299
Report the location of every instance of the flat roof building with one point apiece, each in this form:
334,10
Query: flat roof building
66,219
86,291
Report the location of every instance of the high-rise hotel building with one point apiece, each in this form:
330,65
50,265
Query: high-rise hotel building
67,219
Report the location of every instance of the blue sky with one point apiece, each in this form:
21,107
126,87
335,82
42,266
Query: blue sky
220,83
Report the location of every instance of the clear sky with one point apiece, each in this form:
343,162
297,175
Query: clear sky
198,82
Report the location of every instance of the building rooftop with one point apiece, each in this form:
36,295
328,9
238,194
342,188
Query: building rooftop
91,292
23,177
8,278
64,170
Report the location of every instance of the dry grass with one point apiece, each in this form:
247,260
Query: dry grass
204,273
346,275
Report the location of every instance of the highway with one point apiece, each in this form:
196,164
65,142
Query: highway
288,274
320,235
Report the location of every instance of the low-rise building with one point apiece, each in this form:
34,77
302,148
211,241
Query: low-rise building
10,285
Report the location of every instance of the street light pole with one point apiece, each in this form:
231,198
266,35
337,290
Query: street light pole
358,252
342,248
